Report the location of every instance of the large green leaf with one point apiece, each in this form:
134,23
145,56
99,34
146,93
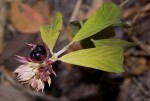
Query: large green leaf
50,33
106,58
108,14
110,42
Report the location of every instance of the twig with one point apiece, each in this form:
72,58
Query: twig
146,8
136,53
13,0
2,22
76,9
143,46
123,3
140,86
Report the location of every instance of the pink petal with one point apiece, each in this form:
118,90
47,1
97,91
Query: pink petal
28,74
40,85
49,62
31,45
54,72
37,84
22,59
21,68
49,81
34,83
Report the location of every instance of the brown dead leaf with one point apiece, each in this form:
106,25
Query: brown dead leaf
90,10
24,18
44,10
137,66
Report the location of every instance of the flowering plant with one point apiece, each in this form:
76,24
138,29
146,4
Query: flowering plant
103,52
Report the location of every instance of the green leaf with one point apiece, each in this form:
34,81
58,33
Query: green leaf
106,58
75,26
50,33
108,14
110,42
87,43
104,34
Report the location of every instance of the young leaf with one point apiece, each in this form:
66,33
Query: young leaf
108,14
50,33
110,42
106,58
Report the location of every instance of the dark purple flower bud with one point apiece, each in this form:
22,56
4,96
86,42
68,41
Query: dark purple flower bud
41,49
38,53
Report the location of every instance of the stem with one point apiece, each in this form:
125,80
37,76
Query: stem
56,55
51,51
64,49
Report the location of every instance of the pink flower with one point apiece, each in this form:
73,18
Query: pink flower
34,73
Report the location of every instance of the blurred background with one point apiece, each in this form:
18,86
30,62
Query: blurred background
19,24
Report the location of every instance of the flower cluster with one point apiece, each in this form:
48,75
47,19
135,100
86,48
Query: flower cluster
36,69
